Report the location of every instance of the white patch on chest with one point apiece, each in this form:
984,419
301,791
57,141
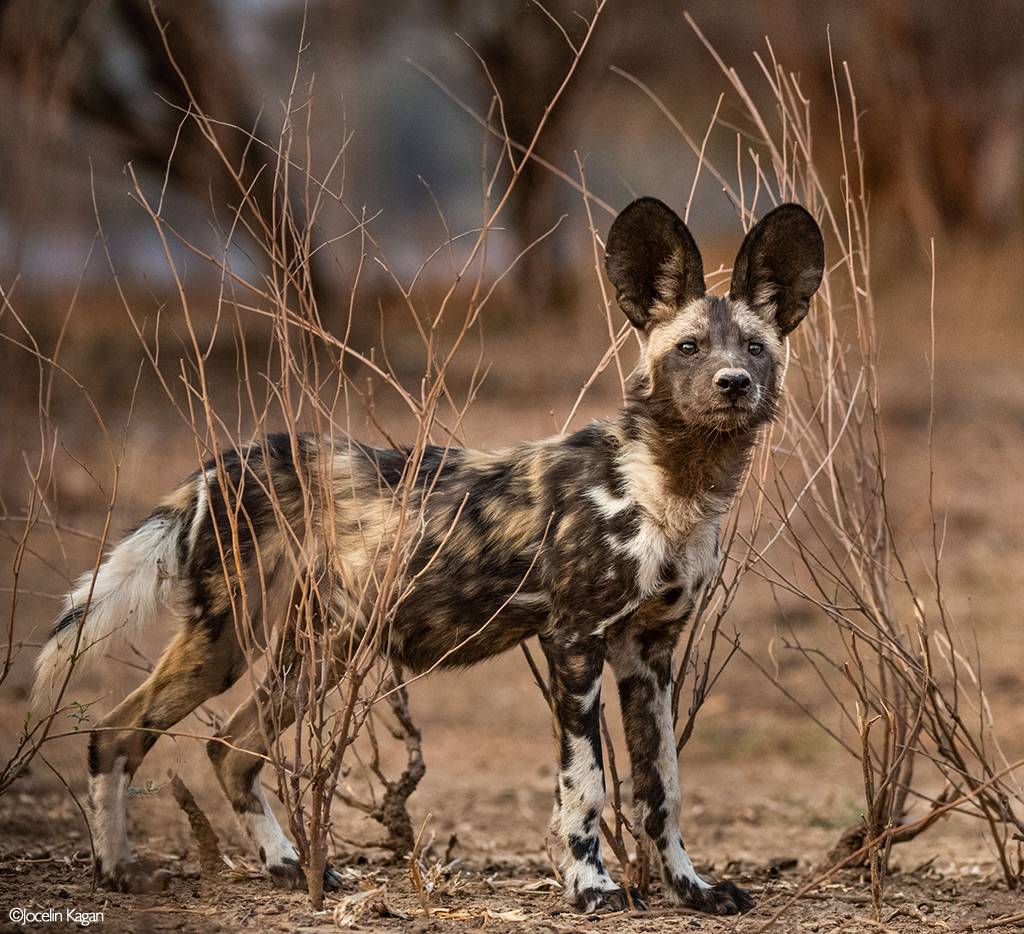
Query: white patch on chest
674,530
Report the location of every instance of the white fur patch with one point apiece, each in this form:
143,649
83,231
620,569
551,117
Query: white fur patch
581,792
673,857
666,757
608,505
581,785
202,504
266,834
650,549
108,792
135,581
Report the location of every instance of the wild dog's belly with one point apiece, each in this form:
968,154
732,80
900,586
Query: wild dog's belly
462,619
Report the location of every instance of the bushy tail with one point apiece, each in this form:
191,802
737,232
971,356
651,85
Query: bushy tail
107,608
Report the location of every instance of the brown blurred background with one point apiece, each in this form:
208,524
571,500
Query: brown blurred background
86,87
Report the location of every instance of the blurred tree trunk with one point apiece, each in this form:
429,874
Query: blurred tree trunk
527,50
527,57
98,71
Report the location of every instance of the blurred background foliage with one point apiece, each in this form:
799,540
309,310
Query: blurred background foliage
402,89
86,87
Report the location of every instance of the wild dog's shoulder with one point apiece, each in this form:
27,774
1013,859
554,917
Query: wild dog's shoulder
577,461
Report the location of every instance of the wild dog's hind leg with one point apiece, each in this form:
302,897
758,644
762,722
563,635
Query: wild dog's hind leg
575,676
642,661
256,722
193,669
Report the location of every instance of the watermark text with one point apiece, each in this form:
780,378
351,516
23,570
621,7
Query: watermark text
25,916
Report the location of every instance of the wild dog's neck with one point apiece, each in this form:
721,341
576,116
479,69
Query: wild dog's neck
696,464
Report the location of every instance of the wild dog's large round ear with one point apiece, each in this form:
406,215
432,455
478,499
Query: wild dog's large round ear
651,260
779,266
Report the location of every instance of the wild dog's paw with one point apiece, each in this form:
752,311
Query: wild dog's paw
332,879
136,878
616,899
288,874
722,898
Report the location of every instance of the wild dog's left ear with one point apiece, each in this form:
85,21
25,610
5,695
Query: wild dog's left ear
652,261
779,266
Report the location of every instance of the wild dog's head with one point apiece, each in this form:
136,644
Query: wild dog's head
714,362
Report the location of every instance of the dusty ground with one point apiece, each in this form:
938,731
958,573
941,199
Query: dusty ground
766,794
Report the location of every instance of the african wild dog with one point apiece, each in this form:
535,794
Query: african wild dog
598,543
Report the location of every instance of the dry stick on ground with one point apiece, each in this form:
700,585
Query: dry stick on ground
391,810
210,861
634,874
414,867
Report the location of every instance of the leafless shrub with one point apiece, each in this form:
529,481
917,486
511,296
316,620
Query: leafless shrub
37,512
340,677
329,679
899,671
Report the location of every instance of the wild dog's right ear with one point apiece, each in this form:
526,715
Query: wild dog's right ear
779,266
651,259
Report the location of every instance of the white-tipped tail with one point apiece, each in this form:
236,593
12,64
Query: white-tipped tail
109,607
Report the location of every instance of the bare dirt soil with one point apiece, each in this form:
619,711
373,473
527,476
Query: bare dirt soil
766,793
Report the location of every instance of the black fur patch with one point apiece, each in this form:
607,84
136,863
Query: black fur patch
73,617
94,754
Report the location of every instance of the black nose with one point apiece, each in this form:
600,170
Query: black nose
733,382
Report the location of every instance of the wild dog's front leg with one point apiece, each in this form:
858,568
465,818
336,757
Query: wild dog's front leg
575,674
642,662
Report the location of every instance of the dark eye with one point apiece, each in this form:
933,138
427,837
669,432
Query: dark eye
688,347
754,348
